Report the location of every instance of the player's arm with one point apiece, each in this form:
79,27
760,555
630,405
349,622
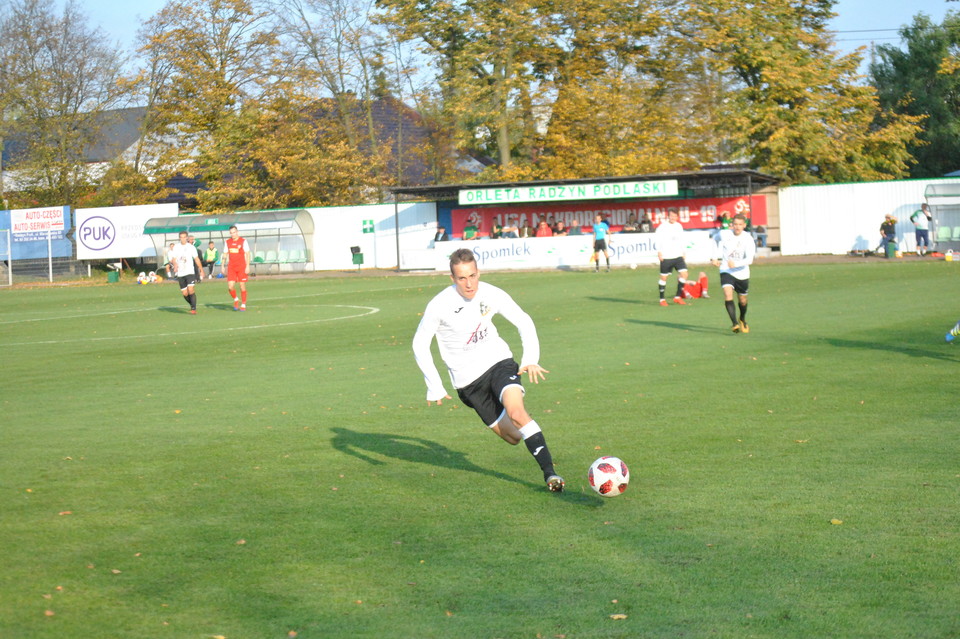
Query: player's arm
196,261
424,358
247,256
528,338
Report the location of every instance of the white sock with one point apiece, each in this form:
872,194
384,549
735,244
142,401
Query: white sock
531,429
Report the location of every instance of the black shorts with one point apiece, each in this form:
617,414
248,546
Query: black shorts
484,394
599,245
187,281
740,286
668,265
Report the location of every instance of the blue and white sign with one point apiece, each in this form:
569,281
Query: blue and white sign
117,231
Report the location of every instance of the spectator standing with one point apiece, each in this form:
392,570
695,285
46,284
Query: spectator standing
921,224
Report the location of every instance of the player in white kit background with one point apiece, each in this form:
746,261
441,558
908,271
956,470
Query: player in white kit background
479,361
736,250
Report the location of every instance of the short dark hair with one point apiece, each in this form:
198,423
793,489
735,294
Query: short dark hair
673,209
740,216
233,226
461,256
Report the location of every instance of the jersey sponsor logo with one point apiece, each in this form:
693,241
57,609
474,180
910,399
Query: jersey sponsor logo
476,337
458,310
484,309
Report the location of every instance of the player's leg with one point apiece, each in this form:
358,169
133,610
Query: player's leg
664,274
192,298
606,253
953,333
704,283
232,289
726,284
517,424
742,303
243,295
681,282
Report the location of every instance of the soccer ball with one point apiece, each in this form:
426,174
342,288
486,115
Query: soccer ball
609,476
633,267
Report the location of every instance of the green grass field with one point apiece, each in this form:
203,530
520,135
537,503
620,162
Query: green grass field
278,473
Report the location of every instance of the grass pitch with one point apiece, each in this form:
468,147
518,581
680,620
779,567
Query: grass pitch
277,473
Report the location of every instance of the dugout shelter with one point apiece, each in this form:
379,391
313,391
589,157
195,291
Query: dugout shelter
279,239
944,201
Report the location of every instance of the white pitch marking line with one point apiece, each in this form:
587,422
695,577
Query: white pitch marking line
158,308
370,310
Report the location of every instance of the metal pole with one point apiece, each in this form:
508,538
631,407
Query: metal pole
396,226
50,254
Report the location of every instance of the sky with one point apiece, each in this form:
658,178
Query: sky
859,22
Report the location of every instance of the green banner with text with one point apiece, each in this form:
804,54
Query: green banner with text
568,192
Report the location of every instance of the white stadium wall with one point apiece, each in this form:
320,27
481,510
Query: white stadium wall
373,229
836,219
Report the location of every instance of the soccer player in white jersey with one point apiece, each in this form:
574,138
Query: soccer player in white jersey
187,269
671,251
479,361
736,250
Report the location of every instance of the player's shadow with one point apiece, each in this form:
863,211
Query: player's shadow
370,447
911,351
619,300
693,328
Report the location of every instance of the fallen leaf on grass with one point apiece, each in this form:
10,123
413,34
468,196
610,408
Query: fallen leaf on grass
836,522
619,615
48,613
65,512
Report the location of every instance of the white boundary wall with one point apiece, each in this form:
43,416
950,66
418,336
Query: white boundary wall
838,218
337,228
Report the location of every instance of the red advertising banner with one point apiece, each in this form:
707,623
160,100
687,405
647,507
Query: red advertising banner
698,213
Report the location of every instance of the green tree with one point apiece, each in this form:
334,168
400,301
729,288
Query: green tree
60,78
214,61
923,79
284,154
485,54
795,108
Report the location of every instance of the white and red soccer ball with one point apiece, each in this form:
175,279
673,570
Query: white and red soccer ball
609,476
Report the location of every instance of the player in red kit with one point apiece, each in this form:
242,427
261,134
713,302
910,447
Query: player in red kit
238,267
696,289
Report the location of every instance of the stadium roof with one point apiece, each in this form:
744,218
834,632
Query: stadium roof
708,182
256,220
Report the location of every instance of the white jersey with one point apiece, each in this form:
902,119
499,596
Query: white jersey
182,259
671,242
741,249
468,339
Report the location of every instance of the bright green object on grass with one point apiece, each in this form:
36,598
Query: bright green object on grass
278,471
